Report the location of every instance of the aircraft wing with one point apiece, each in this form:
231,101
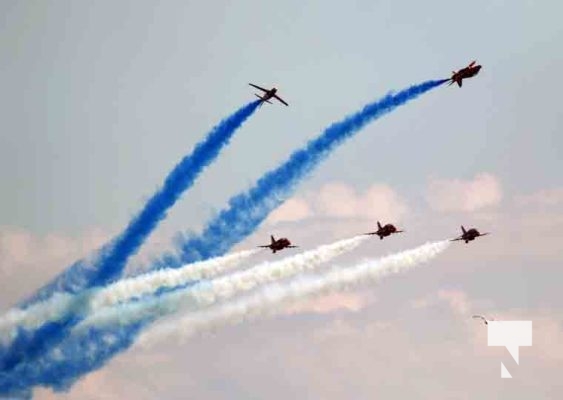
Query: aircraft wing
291,247
264,247
280,99
371,233
258,87
459,238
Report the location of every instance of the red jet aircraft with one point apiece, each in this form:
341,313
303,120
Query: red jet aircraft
384,231
268,94
469,235
467,72
278,245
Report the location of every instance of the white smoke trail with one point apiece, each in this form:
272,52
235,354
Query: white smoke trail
272,297
126,289
208,292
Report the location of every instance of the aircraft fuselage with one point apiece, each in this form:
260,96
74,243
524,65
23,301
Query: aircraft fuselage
269,94
386,230
464,73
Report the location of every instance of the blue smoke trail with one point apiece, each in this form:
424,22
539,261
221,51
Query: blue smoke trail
247,210
244,214
62,366
113,258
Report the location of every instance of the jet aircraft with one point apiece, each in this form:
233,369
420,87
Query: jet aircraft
384,231
469,235
467,72
278,245
268,94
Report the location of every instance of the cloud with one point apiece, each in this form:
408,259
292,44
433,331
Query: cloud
294,209
547,329
542,198
27,261
457,300
333,302
20,248
341,201
377,202
547,340
449,195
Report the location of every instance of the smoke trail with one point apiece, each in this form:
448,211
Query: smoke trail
60,366
247,210
54,308
205,293
271,298
126,320
112,258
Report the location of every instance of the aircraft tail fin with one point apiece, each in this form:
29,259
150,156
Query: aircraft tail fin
273,240
379,225
463,229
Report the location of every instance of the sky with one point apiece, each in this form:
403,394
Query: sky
100,99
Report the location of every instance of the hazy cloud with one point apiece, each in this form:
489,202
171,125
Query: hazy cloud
542,198
294,209
329,303
27,261
464,195
340,201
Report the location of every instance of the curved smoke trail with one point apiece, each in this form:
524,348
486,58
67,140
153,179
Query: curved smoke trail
111,260
245,212
205,293
273,297
127,319
53,309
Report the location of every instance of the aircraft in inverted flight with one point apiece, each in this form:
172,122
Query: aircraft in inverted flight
467,72
268,94
469,235
278,245
384,231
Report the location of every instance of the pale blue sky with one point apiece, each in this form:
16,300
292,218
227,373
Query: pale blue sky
100,99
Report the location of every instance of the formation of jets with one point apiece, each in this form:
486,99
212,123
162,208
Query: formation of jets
386,230
382,231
